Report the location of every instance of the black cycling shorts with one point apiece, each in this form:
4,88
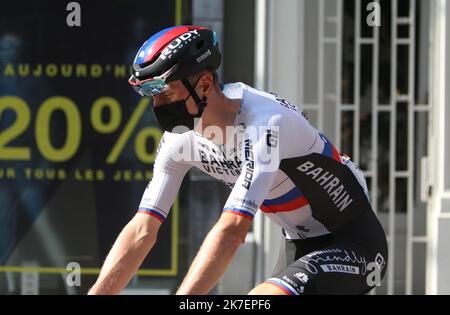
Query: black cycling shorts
323,265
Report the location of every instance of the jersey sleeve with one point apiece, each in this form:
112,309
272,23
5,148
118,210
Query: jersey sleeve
168,173
261,156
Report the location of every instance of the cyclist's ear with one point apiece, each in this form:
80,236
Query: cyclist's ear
206,84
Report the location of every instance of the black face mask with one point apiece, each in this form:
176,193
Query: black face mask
175,114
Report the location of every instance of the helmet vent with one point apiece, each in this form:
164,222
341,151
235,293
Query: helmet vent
145,64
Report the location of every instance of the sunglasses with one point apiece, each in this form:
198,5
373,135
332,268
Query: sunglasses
150,87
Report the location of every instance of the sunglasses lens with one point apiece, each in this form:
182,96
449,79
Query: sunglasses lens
138,89
153,87
149,88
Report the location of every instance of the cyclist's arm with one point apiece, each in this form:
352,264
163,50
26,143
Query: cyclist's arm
215,254
139,235
127,254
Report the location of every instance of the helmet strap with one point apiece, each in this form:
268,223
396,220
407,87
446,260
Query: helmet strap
201,103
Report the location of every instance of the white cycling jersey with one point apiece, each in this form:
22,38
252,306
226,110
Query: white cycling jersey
283,166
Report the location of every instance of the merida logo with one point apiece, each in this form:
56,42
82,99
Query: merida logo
330,183
249,165
203,56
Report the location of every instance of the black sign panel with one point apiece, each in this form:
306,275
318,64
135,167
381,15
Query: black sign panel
77,144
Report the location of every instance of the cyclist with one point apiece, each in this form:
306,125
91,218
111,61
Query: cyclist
270,156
